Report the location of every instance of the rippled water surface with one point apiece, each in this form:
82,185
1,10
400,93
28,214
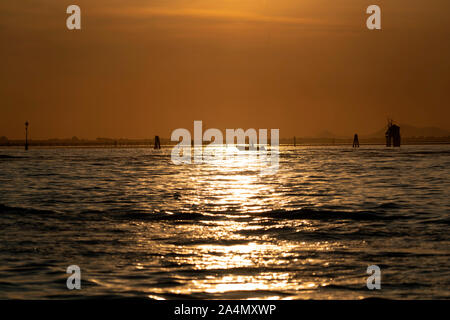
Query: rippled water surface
140,226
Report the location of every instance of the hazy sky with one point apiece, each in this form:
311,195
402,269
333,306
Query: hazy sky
144,67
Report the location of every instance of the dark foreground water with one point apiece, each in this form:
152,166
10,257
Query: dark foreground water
139,226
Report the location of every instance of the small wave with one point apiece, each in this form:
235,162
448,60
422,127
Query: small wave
299,214
19,210
388,205
208,241
345,287
155,216
316,214
5,156
430,152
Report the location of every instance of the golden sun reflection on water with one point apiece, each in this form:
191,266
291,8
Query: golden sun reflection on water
235,183
254,266
237,256
234,251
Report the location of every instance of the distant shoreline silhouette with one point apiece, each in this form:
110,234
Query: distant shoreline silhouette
164,142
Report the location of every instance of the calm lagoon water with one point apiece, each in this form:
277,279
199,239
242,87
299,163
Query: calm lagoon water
140,226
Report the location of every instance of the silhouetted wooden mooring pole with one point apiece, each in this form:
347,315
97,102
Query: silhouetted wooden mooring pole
356,141
157,143
26,135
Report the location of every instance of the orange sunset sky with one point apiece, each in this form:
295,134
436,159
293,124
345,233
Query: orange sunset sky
144,67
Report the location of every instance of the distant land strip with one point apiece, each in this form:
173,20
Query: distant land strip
109,142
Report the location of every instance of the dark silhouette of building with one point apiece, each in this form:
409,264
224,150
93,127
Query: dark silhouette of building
355,141
393,135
